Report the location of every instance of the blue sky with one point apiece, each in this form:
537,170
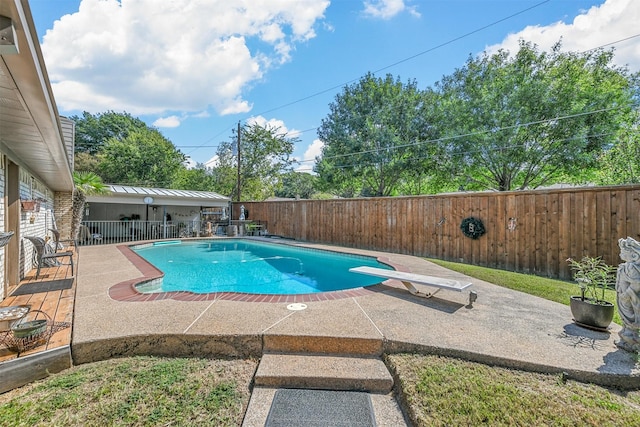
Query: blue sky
194,68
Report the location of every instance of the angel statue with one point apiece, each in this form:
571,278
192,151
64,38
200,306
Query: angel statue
628,294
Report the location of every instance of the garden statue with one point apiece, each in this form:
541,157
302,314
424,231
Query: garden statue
242,213
628,290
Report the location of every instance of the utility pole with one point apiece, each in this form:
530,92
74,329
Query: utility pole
238,141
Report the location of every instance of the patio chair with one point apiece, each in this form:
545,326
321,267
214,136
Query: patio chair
44,254
58,244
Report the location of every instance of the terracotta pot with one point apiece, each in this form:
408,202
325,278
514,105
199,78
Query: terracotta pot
587,313
30,205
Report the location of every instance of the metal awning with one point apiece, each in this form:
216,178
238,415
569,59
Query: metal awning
159,196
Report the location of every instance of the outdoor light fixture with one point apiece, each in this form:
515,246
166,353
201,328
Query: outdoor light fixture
8,39
148,200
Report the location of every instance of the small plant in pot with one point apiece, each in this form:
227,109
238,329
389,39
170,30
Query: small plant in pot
594,277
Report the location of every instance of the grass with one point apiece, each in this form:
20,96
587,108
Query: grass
550,289
438,391
441,391
140,391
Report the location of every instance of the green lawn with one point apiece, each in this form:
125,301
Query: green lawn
138,391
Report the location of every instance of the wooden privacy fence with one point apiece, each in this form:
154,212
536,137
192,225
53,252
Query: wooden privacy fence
526,231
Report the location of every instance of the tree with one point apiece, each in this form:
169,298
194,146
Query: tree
516,122
621,164
85,183
297,185
93,131
143,157
85,162
265,154
199,178
370,136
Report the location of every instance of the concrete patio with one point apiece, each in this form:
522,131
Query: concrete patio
503,327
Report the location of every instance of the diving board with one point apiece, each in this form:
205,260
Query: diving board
408,279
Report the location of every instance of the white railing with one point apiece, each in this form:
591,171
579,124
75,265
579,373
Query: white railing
106,232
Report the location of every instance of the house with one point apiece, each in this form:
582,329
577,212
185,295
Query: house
36,146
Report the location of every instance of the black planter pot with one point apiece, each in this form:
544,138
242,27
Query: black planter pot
587,313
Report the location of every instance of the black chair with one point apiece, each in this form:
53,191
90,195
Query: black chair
43,256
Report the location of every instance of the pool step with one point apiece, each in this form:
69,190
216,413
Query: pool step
322,345
328,372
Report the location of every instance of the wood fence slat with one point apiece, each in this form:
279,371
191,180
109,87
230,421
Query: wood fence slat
552,223
603,217
486,247
578,229
590,229
564,235
530,242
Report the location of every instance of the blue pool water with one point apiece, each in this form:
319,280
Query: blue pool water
252,267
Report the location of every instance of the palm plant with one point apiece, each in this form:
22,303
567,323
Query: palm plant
86,183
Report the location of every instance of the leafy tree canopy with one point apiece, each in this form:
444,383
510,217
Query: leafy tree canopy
297,185
500,122
144,157
369,136
522,121
93,131
621,163
199,178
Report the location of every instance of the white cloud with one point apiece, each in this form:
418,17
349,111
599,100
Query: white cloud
151,57
314,150
212,162
387,9
167,122
189,163
274,124
612,21
308,159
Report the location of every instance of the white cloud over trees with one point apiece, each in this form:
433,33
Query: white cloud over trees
150,57
610,22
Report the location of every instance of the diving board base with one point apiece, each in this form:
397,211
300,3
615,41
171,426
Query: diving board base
412,289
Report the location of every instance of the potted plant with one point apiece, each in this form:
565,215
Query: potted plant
594,277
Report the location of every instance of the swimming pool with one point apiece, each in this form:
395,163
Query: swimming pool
233,265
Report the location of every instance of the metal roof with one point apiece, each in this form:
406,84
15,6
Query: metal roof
121,190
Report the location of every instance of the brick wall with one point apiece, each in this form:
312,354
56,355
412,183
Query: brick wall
62,211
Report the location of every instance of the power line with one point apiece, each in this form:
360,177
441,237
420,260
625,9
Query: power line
584,51
394,64
470,134
612,43
509,147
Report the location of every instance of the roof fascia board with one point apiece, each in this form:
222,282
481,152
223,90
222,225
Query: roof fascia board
138,199
38,97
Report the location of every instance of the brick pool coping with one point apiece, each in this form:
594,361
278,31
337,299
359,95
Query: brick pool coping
126,291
